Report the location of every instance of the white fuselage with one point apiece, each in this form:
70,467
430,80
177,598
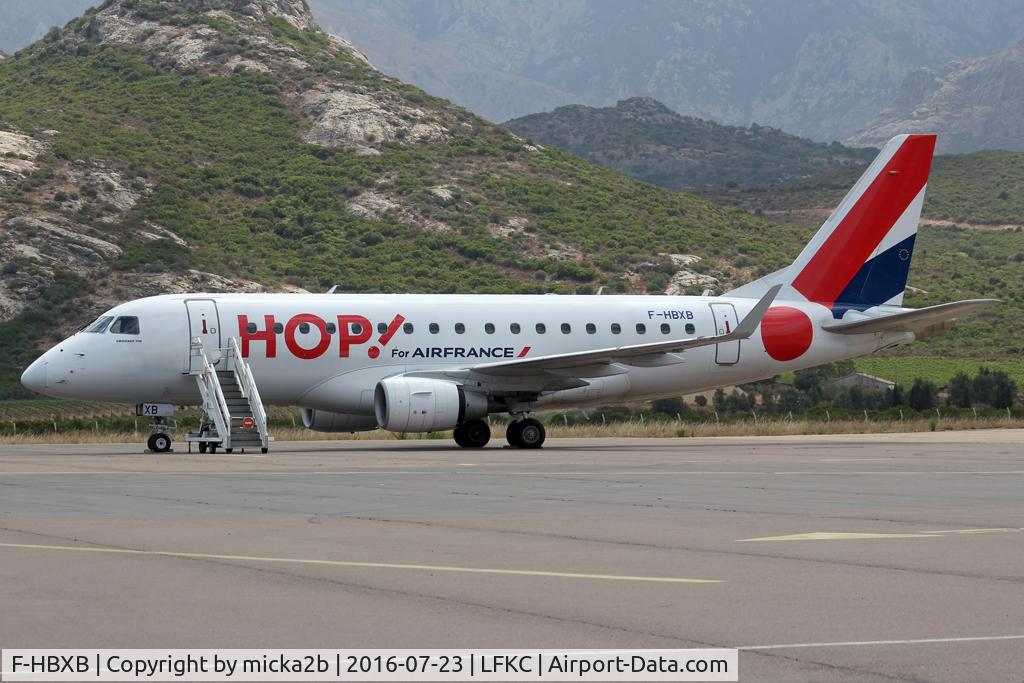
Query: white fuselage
321,357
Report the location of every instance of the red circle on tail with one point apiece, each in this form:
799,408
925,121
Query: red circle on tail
786,332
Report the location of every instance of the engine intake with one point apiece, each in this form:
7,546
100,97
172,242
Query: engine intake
419,404
326,421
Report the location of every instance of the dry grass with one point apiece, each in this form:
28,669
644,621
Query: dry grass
654,429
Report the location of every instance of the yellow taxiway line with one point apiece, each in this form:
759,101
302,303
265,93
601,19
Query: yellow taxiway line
361,565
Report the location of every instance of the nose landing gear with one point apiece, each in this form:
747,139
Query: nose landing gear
159,442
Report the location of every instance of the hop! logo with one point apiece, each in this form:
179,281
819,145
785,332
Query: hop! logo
352,330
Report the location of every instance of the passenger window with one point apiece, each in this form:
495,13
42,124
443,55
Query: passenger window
382,328
665,328
100,325
460,328
251,328
407,328
489,328
434,328
126,324
357,328
591,328
690,329
566,328
514,328
304,328
541,328
641,328
330,327
616,328
278,328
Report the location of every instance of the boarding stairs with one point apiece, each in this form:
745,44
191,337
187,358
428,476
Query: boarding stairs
233,414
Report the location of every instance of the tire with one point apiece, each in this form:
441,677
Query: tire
228,450
460,437
203,446
531,433
512,434
475,434
264,450
159,443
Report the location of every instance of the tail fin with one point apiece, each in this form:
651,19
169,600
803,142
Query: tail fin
860,257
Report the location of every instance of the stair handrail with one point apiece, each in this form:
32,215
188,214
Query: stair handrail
214,403
247,384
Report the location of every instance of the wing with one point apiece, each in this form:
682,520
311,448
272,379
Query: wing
635,354
564,370
922,322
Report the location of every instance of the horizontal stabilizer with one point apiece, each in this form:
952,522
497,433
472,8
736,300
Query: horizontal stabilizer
916,321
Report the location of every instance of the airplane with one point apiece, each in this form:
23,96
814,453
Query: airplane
424,362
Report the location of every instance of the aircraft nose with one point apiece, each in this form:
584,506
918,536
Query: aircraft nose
34,377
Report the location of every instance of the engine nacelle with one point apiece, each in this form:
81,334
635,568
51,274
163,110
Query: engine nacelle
326,421
419,404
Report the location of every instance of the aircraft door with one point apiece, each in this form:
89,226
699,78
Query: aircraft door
204,323
725,322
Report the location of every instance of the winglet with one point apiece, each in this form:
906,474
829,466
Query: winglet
753,319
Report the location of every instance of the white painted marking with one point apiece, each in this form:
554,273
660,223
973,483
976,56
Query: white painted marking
854,643
836,536
359,565
853,459
871,535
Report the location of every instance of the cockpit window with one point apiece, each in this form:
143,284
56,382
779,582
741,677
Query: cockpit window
100,325
126,324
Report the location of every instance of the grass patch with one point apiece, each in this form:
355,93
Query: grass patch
936,369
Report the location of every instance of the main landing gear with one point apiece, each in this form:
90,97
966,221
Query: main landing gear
473,434
528,433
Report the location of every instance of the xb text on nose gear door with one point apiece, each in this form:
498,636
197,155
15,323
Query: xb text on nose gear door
725,322
203,323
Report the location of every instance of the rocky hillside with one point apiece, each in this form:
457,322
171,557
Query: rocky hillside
649,141
973,104
155,146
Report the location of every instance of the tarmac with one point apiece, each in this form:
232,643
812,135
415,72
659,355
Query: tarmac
824,558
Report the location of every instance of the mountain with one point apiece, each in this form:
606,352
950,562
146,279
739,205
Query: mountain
973,104
821,70
158,146
647,140
23,22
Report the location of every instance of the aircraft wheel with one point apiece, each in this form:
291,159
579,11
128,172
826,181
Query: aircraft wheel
531,433
514,434
460,436
159,443
475,434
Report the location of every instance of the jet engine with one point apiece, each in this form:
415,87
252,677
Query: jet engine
326,421
419,404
